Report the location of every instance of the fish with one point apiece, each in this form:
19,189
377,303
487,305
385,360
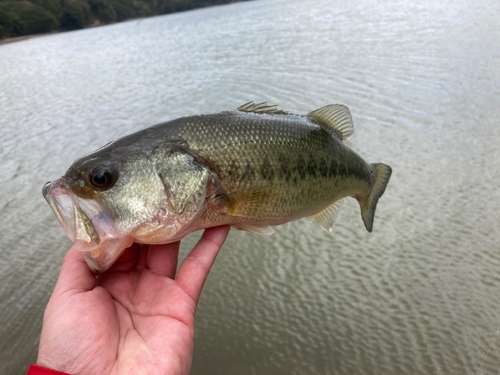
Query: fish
252,168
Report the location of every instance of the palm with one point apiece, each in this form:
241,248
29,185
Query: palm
136,318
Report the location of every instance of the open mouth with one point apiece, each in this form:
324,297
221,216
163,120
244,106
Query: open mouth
87,226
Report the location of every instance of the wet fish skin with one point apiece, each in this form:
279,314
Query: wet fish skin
275,168
252,168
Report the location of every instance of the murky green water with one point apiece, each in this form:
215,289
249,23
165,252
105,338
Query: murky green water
420,295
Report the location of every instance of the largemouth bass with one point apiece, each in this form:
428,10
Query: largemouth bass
252,168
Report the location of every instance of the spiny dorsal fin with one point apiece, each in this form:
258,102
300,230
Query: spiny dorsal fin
326,218
261,108
336,118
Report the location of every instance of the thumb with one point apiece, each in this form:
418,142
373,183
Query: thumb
75,275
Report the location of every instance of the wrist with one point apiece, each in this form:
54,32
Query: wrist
39,370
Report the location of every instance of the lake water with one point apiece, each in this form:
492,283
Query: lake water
419,295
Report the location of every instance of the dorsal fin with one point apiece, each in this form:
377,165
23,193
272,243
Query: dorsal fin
261,108
336,118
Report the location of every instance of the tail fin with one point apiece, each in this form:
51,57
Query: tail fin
369,203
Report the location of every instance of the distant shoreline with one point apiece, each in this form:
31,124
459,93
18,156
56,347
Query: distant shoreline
89,21
24,37
59,31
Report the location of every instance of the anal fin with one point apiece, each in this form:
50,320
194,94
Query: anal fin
261,231
326,218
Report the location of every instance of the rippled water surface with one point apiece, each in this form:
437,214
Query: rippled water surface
419,295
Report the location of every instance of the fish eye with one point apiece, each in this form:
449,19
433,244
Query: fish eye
101,178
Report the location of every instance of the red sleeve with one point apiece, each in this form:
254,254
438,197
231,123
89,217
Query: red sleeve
38,370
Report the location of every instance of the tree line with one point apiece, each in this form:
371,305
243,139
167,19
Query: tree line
25,17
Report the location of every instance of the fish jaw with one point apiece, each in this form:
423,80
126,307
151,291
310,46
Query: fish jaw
102,258
85,223
59,200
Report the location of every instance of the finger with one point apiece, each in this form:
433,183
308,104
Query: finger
162,259
75,274
195,268
127,260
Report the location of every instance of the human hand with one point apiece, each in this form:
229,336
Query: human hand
136,318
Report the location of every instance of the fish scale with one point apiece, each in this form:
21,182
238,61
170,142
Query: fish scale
297,164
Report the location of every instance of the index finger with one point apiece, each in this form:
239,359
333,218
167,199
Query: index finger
194,270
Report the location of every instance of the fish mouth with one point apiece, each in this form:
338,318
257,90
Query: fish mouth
87,225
